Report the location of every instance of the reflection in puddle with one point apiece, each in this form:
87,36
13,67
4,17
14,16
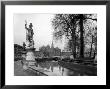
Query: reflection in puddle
55,69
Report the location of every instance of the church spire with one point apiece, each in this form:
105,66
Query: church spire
52,46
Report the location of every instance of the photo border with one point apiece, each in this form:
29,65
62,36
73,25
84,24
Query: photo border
4,3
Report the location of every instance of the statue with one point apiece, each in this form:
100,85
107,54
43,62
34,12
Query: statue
30,50
29,35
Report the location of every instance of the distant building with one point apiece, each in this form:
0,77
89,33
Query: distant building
39,54
50,51
66,54
57,52
54,51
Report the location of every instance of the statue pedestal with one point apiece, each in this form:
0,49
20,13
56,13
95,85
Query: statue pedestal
30,54
30,57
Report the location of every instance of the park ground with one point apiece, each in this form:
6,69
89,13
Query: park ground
19,71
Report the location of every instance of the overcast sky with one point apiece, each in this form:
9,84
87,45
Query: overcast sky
41,26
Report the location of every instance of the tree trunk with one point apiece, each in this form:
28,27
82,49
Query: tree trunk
90,51
81,37
73,43
94,55
75,46
91,47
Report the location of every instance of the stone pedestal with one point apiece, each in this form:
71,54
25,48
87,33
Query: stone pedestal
30,56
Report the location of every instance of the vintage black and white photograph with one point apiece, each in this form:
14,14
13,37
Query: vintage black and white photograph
58,44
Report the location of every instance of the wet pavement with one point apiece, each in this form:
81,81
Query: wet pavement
52,68
46,68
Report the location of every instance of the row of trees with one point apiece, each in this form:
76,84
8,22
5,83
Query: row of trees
80,30
44,50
